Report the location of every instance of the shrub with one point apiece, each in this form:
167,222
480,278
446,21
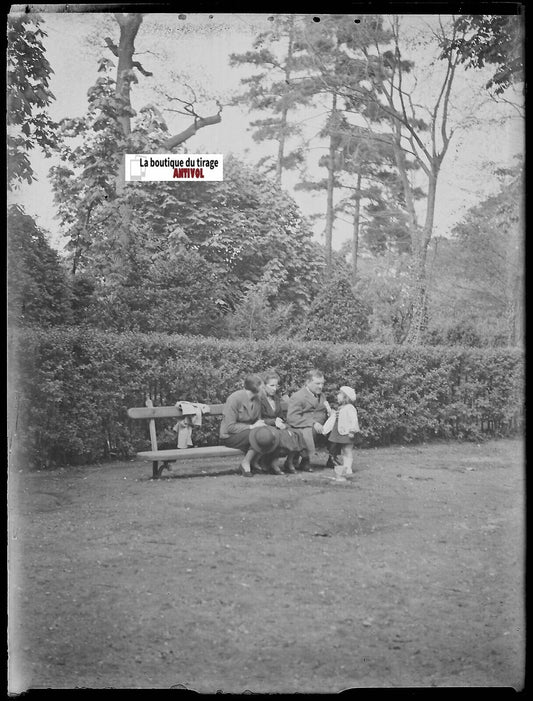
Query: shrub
37,283
336,315
70,388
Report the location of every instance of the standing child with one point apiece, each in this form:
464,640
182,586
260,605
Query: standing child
342,426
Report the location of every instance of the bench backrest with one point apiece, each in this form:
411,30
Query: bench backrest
152,413
168,412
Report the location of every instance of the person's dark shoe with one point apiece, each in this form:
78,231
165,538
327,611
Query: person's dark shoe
288,467
305,465
257,465
245,473
330,465
275,469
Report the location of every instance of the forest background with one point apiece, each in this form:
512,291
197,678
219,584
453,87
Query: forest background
373,175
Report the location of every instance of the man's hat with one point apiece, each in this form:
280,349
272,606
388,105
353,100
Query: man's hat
264,439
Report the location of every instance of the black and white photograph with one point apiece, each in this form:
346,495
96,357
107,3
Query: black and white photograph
265,349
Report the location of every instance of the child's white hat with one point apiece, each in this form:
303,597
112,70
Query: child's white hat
349,392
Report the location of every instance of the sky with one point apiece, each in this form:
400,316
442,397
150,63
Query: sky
195,51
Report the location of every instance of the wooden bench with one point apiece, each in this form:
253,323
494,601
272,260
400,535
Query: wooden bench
165,457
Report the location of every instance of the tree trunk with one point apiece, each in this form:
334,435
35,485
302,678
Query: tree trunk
418,322
330,214
420,240
515,278
356,218
285,109
399,157
281,144
129,24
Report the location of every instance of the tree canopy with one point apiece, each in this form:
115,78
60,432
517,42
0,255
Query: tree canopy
238,257
38,288
494,40
28,96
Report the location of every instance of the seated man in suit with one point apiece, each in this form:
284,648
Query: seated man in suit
306,413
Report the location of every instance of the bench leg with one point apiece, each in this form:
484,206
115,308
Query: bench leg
157,469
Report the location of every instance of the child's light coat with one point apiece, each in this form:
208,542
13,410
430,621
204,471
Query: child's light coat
348,420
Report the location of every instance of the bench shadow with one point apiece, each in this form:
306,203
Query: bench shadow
211,472
190,475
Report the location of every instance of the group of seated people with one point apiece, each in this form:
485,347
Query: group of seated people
253,422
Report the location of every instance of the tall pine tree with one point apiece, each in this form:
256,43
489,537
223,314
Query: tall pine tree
279,89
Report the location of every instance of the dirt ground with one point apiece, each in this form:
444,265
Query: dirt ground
410,575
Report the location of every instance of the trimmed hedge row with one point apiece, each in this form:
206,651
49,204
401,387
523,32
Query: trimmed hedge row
70,388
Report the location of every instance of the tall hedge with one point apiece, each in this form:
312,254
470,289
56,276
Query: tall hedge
70,388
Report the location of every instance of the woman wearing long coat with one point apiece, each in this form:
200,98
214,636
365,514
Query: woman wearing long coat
288,442
241,414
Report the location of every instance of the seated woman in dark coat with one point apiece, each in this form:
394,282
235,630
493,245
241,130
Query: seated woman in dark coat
241,414
271,401
284,441
271,414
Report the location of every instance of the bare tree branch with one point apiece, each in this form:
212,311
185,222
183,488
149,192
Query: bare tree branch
199,123
138,66
111,46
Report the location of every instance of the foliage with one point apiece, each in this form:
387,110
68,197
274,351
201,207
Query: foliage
84,183
179,295
237,257
241,228
477,276
337,314
246,227
71,387
385,285
458,334
38,290
338,54
277,90
495,40
255,317
390,91
28,96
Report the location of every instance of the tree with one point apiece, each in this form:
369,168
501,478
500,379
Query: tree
331,182
385,286
246,227
284,92
179,294
245,230
38,290
426,143
478,278
28,96
495,40
89,184
255,316
336,314
375,198
129,24
337,48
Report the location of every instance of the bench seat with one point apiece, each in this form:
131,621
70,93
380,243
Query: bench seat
212,451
